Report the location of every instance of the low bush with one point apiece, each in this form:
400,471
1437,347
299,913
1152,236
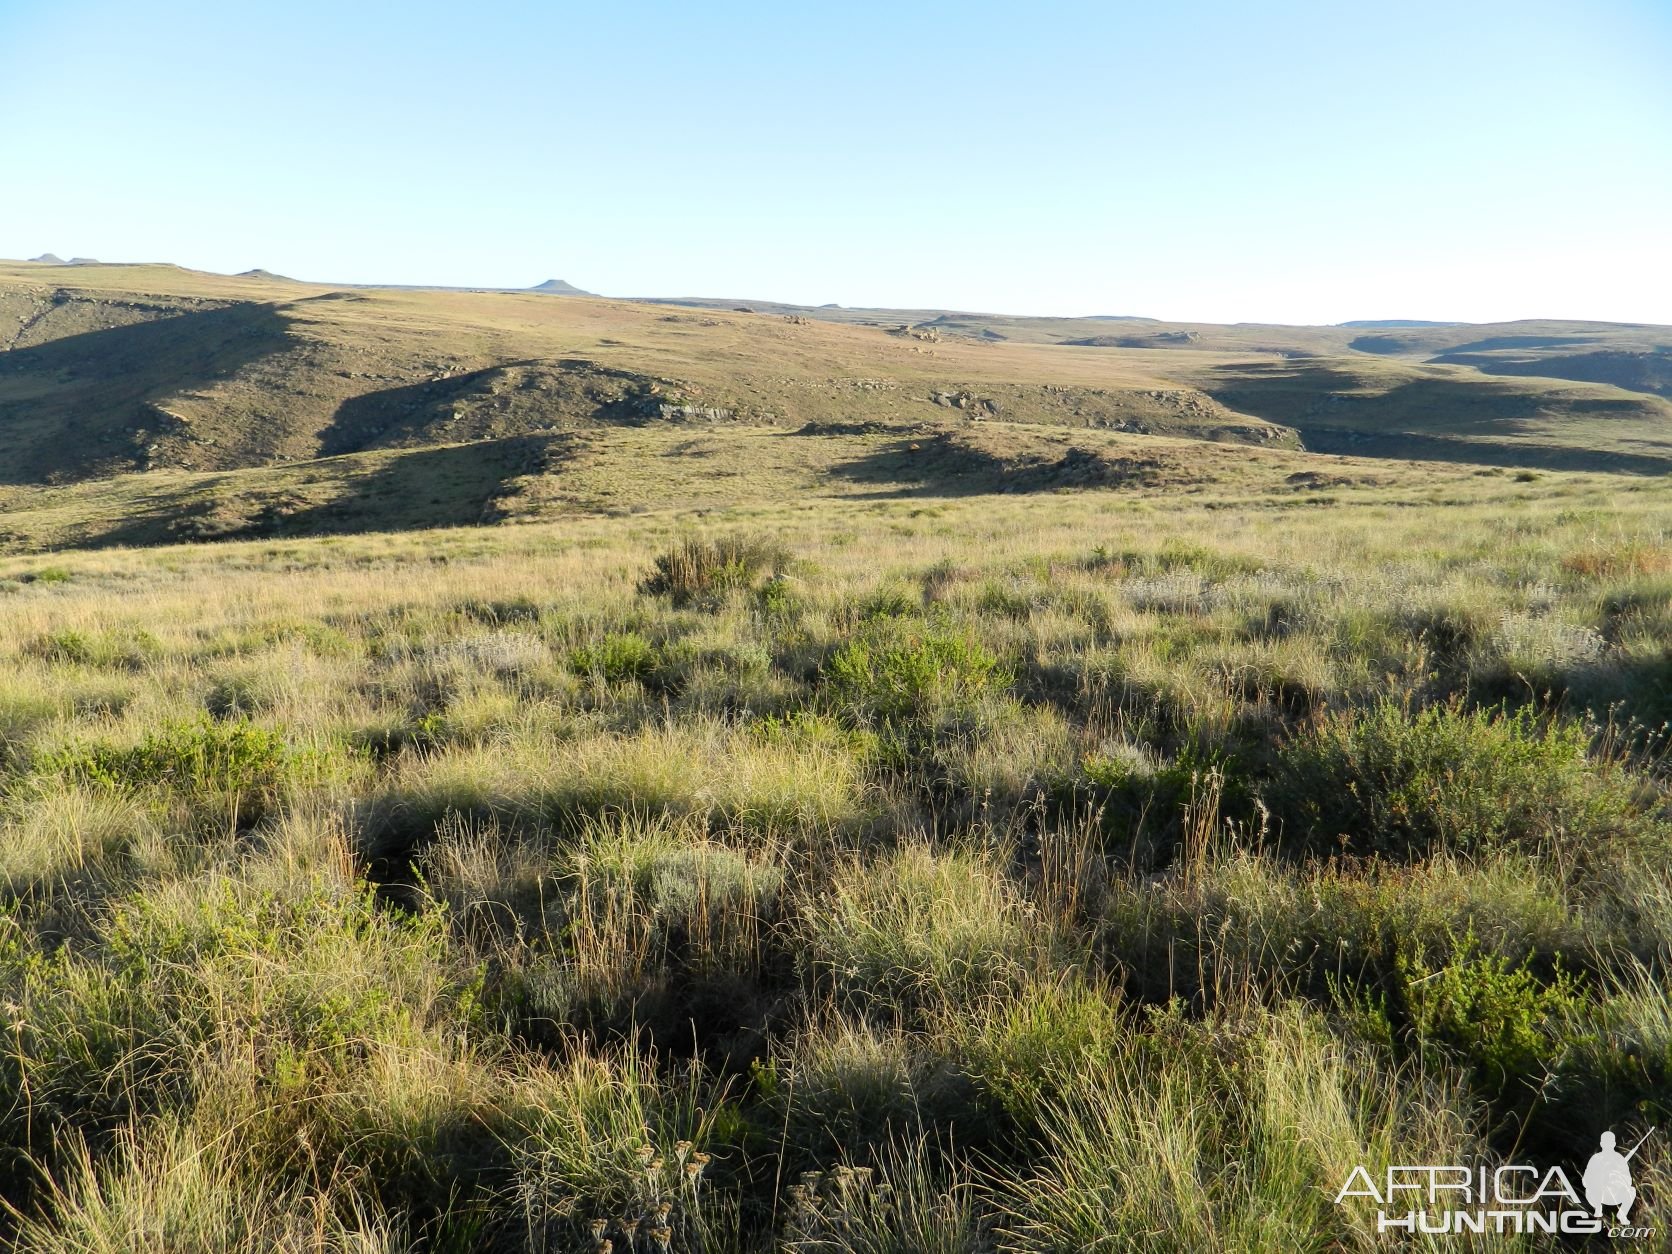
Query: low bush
616,657
128,649
1385,781
1496,1015
238,764
897,671
699,570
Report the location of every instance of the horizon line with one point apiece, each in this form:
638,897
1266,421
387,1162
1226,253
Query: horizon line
260,272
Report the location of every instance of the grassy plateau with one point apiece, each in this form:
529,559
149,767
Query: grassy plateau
843,830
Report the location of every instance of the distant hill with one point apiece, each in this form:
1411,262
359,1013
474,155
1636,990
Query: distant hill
1397,322
117,369
49,259
559,287
149,368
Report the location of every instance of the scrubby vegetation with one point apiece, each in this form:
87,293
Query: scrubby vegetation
1043,876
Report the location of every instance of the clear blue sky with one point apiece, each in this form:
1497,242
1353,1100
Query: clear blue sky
1286,161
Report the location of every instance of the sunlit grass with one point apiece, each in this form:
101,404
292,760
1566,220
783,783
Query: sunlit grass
1013,874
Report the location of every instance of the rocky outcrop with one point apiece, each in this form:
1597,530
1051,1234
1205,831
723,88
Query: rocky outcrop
907,331
968,402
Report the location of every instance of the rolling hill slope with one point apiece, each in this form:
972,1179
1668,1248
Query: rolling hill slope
154,368
110,371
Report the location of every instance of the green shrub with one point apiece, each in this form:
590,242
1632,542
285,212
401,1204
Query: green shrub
1495,1014
897,671
1447,778
128,650
698,570
617,657
238,763
892,600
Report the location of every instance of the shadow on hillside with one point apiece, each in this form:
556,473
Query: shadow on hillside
1336,410
1633,371
81,405
399,415
450,486
1334,395
944,465
925,465
1408,446
1413,342
506,399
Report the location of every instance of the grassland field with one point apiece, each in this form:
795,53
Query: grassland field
506,772
1108,867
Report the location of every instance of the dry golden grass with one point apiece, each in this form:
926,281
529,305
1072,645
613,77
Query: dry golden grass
451,889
